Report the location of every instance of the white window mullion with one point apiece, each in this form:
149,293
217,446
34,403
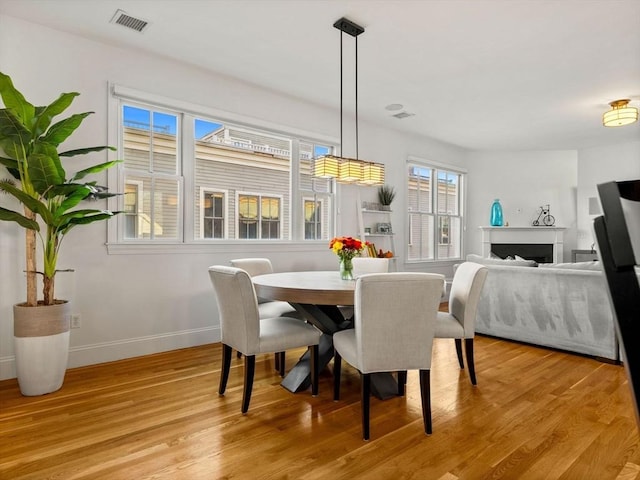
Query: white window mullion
188,154
296,214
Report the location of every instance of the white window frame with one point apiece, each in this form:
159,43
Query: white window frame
190,241
204,190
124,175
436,167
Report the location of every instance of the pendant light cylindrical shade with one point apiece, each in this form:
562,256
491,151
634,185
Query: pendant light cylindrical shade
620,114
326,166
350,171
372,174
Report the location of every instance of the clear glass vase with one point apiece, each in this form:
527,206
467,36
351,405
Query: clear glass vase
346,269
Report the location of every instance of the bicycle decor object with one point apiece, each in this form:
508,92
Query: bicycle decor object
544,217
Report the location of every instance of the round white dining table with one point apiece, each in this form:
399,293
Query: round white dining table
316,295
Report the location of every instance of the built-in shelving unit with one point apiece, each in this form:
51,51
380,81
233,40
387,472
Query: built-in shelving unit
374,226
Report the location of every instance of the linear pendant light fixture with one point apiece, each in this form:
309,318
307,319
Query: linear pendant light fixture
620,114
344,169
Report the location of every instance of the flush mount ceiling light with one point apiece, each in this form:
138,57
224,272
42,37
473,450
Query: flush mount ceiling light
620,114
349,170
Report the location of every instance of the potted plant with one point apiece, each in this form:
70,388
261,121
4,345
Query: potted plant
29,150
386,194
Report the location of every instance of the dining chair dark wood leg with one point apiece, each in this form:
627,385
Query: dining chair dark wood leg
402,382
459,352
425,393
314,370
366,401
249,370
468,346
226,365
280,362
337,363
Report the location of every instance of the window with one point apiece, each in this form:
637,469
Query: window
317,194
191,177
132,213
258,217
213,214
312,219
434,197
152,182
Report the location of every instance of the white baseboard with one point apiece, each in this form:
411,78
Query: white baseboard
131,347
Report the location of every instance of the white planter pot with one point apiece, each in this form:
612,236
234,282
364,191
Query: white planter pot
41,340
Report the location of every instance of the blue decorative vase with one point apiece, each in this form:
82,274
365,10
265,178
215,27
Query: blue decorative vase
496,214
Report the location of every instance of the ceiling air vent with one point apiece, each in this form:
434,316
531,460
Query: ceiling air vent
402,115
137,24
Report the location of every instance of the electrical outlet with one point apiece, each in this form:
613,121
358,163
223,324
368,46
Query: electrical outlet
75,320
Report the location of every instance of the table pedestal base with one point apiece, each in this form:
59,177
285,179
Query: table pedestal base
299,377
383,385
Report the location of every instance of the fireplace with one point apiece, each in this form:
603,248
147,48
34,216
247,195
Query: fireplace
542,244
540,252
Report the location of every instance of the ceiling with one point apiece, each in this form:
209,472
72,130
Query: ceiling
480,74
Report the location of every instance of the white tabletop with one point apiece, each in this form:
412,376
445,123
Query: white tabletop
316,287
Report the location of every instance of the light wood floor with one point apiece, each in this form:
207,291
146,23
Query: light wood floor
535,414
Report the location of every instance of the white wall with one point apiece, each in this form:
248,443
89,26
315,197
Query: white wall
598,165
136,304
523,181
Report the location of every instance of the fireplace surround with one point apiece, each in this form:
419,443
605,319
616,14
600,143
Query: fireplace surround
542,244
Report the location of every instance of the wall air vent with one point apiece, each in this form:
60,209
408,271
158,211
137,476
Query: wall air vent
402,115
137,24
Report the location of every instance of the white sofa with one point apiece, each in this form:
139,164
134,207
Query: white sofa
564,306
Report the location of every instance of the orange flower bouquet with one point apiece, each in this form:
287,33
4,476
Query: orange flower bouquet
346,248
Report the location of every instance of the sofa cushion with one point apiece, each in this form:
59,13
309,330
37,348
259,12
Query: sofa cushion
499,261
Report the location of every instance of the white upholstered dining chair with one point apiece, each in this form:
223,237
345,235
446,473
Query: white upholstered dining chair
267,308
243,330
459,322
364,265
395,316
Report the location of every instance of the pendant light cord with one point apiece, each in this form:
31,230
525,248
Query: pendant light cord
341,152
357,156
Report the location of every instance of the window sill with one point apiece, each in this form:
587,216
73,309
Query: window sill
228,246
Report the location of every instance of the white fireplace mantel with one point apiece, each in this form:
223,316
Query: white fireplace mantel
546,235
